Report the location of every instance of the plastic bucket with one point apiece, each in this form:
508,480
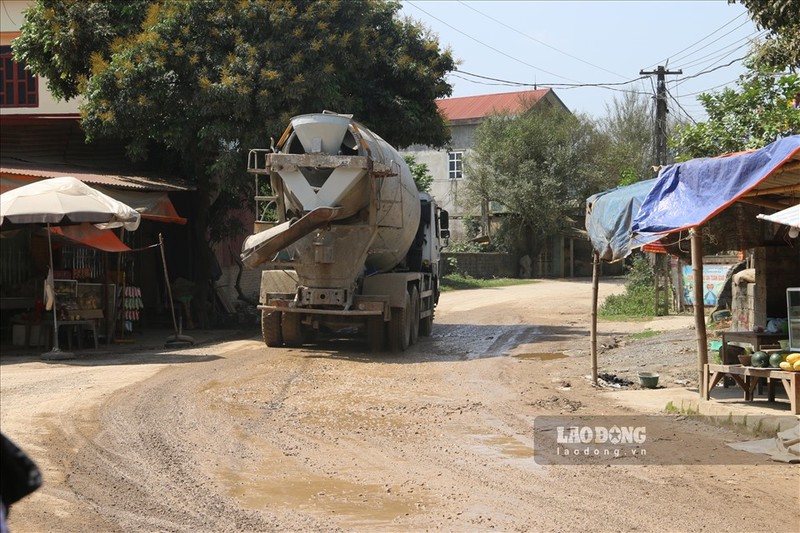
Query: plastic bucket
648,380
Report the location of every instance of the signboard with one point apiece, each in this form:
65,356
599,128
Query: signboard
713,281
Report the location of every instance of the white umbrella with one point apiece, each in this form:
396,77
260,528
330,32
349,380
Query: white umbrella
59,202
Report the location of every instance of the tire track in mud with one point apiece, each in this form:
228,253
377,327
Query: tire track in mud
147,468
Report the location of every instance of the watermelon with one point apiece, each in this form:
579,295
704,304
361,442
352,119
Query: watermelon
775,360
760,359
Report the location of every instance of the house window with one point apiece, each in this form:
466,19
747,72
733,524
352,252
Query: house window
456,169
18,87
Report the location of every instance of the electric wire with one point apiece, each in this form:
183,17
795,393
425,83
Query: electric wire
724,50
681,108
716,55
537,40
500,81
699,41
490,46
681,58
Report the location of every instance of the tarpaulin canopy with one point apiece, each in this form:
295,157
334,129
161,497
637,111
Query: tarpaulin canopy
686,195
609,215
154,206
89,235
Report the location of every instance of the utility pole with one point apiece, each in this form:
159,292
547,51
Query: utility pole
660,135
661,269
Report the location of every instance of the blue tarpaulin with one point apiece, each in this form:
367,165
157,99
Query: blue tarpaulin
609,215
686,195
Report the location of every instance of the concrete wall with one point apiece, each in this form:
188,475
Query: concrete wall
481,265
777,268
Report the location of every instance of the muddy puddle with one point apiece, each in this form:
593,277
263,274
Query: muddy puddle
355,503
504,445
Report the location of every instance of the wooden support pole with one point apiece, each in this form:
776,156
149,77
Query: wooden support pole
699,311
595,287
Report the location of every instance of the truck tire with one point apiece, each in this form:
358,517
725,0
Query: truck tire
399,331
271,328
426,325
413,316
292,330
376,334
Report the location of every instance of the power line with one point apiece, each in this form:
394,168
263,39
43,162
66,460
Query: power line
500,81
665,60
710,70
709,44
724,51
537,40
681,107
489,46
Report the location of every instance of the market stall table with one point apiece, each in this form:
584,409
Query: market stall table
756,338
74,328
747,377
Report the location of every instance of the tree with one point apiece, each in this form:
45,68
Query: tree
421,174
782,19
540,166
628,127
204,81
761,110
766,105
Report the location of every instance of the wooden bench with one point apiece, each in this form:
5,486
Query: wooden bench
747,377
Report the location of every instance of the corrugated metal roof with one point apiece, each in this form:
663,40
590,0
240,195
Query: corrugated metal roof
473,107
11,168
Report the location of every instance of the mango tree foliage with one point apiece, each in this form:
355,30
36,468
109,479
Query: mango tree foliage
763,108
782,19
200,76
59,37
206,80
538,165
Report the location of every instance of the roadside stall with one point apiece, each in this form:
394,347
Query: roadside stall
689,197
63,202
94,270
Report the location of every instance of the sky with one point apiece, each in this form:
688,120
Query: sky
565,44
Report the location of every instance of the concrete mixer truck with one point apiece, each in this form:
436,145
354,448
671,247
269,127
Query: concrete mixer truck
344,239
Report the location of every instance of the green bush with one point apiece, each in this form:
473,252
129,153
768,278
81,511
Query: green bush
638,301
639,298
640,273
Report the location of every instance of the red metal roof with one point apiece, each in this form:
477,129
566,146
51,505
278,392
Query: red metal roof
471,107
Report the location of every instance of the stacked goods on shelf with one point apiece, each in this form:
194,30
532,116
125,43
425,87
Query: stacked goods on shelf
131,298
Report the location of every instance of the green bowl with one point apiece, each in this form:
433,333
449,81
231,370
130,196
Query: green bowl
648,380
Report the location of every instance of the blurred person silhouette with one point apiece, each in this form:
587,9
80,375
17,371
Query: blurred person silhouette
19,476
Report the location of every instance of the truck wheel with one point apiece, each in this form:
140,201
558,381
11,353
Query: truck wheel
292,330
426,325
376,334
413,317
399,331
271,328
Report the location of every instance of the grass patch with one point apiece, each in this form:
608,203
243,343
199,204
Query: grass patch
673,409
646,334
455,282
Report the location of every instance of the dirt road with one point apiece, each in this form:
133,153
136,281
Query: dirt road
239,437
